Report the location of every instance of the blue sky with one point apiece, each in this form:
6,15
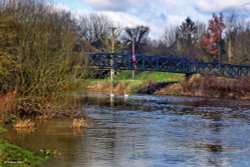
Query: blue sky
157,14
74,4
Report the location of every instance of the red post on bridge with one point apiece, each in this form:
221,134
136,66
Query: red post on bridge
133,57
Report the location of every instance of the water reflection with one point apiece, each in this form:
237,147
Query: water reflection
25,131
148,131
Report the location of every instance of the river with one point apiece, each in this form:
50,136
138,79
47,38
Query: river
147,131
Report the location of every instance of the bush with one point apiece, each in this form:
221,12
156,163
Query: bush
40,49
7,103
212,86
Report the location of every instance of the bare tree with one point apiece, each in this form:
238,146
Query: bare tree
241,44
38,48
201,29
137,36
169,36
97,30
231,33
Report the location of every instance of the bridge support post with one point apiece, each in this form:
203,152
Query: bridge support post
111,83
133,73
112,72
133,53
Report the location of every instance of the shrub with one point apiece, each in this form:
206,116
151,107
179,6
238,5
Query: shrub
7,103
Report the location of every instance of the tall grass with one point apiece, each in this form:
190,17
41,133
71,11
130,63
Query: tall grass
212,86
7,102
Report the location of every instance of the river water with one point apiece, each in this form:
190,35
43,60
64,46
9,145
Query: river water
147,131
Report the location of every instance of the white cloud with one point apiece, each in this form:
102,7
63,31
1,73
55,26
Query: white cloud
157,25
124,19
158,14
217,5
114,5
60,6
80,12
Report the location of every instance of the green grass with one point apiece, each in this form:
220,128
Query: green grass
14,156
134,84
151,76
2,130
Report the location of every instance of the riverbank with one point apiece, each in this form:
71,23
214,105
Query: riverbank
210,86
194,86
144,82
14,156
148,130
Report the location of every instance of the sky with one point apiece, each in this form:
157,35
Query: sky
157,14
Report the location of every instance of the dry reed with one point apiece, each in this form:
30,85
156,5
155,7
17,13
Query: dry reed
27,123
79,123
7,102
213,86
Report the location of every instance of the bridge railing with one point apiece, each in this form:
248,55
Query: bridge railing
122,61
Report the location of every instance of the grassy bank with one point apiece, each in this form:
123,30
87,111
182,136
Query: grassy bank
14,156
151,76
124,83
173,84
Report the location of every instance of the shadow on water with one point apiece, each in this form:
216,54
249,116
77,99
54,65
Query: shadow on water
143,130
153,87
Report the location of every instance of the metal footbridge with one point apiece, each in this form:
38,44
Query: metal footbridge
175,64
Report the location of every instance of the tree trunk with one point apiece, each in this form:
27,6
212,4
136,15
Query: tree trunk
230,51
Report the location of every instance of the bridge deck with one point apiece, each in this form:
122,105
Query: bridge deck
164,64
